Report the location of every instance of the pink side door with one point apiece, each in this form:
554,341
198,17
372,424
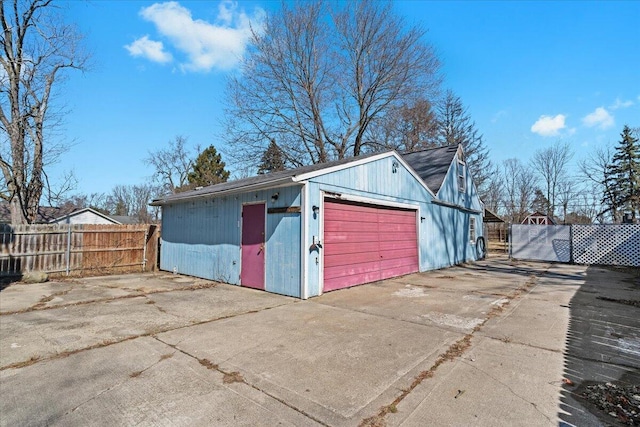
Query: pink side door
253,246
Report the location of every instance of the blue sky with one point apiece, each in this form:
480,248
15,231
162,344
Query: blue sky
530,73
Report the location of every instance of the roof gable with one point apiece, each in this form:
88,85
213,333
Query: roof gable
432,165
86,210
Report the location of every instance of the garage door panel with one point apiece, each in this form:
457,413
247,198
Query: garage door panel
338,237
396,271
398,216
394,236
339,260
392,245
346,249
406,254
365,243
352,269
356,226
347,281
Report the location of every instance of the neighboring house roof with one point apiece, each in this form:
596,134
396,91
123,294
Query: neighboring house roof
62,218
123,219
490,216
267,180
45,213
432,164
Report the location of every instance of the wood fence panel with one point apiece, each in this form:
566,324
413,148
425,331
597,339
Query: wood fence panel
78,248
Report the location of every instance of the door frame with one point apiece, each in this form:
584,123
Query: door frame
264,277
327,194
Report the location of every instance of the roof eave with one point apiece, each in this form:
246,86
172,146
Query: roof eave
282,182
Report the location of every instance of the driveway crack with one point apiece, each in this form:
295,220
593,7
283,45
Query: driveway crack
239,378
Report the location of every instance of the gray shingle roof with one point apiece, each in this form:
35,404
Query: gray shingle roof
45,213
432,164
255,182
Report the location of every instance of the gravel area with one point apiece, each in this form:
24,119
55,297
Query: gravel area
621,403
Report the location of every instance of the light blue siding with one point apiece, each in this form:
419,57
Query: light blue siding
449,191
443,233
202,238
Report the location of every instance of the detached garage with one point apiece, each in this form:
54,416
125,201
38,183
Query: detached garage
325,227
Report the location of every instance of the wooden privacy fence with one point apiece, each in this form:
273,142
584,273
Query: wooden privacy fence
77,248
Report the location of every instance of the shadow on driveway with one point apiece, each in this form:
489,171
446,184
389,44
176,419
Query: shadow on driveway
602,354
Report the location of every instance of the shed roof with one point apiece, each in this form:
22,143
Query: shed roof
432,164
262,181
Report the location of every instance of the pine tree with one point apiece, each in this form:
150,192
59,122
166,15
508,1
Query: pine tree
625,171
208,169
456,127
272,159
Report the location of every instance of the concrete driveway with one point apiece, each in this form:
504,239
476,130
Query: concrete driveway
478,344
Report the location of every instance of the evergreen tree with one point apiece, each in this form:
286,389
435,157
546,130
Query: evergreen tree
272,159
540,202
456,127
624,172
208,169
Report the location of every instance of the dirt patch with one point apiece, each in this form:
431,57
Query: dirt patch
619,404
208,364
232,377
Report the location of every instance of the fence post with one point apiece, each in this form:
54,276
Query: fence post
144,249
69,249
510,241
571,259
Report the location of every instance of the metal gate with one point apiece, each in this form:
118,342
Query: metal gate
602,244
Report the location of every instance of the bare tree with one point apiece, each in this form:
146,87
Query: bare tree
37,49
594,169
519,187
172,164
133,200
551,165
318,78
411,127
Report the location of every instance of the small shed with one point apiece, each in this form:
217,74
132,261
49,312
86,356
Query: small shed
538,218
324,227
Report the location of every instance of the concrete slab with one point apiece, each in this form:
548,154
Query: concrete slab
450,309
138,382
496,384
19,297
331,363
531,322
45,333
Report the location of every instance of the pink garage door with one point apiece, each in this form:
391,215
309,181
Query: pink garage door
365,243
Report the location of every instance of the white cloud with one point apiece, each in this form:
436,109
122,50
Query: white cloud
549,126
149,49
205,45
621,104
599,118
